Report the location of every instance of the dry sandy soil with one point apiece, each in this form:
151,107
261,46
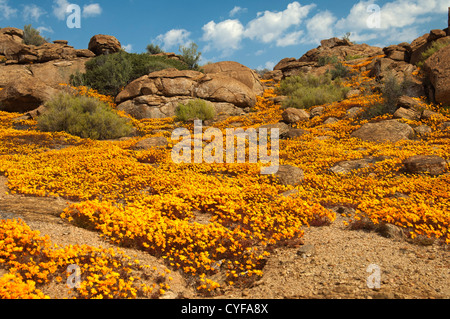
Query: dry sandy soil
333,263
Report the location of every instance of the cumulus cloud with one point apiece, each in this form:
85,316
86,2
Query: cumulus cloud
236,10
292,38
320,27
128,48
269,26
43,29
32,12
225,36
92,10
6,11
173,38
59,8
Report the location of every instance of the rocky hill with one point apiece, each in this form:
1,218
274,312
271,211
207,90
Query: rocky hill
357,209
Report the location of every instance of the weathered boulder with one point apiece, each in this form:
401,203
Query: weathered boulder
293,115
289,175
283,128
384,131
102,44
157,95
407,114
25,94
236,71
437,70
346,167
425,164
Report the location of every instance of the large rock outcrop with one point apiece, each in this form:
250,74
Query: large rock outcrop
437,69
237,71
384,131
157,95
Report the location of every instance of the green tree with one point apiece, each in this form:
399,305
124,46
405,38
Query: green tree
190,55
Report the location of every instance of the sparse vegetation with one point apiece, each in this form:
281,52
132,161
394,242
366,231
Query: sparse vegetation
109,74
195,109
154,49
435,47
324,60
84,117
304,91
32,36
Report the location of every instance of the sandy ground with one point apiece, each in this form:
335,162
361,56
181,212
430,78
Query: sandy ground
334,262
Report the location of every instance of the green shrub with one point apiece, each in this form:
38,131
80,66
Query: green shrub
436,46
84,117
340,71
195,109
324,60
109,74
391,91
305,91
154,49
32,36
353,57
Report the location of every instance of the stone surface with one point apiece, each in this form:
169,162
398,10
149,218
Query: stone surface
425,164
102,44
437,69
151,142
407,114
290,175
384,131
293,115
346,167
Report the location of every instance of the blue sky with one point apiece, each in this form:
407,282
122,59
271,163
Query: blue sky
256,33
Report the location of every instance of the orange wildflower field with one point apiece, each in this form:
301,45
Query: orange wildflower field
141,199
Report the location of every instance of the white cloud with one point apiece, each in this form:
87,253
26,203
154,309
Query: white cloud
45,29
92,10
59,8
5,10
236,10
33,12
174,37
269,26
395,14
320,27
225,36
269,66
128,48
292,38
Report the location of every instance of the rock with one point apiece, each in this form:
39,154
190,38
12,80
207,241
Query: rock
282,127
84,53
353,112
290,175
425,164
236,71
384,131
346,167
293,115
35,113
428,114
423,130
25,94
151,142
317,111
294,133
307,250
407,114
437,70
159,93
445,126
418,46
408,102
63,42
352,93
276,75
396,52
331,120
436,34
390,231
102,44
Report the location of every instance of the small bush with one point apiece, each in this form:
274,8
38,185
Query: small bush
154,49
32,36
340,71
353,57
109,74
436,46
324,60
195,109
84,117
305,91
